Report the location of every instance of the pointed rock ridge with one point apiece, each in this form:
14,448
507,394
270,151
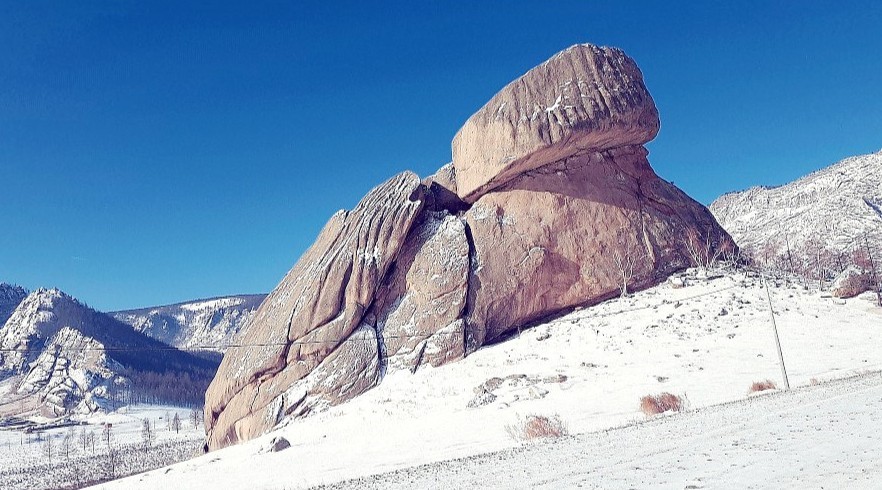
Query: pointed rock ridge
583,98
304,347
10,297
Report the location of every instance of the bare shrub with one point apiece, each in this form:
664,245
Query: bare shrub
766,385
656,404
537,427
702,248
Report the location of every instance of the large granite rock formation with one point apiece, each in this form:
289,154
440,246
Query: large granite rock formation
583,98
308,323
549,203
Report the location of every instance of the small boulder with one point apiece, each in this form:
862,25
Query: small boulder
850,283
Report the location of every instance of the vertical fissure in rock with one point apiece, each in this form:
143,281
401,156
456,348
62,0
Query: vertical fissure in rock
468,340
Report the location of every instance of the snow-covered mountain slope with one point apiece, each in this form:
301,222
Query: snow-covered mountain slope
835,205
59,356
212,323
10,297
706,342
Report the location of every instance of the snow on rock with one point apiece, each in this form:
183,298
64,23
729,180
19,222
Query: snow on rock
851,282
61,357
212,323
317,306
418,310
10,297
834,207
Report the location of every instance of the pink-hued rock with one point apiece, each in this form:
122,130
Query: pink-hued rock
851,282
547,240
300,325
583,98
548,200
419,309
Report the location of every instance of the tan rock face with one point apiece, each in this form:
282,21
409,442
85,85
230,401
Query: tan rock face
301,323
418,311
583,98
547,240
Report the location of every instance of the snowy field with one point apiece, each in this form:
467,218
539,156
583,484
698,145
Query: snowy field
821,436
706,342
26,464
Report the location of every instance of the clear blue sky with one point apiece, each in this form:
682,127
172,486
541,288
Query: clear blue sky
155,152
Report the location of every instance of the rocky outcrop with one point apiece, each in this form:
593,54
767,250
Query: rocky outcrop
836,210
583,98
549,203
67,357
308,323
851,282
204,324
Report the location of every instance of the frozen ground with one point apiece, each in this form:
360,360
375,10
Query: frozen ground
707,342
25,464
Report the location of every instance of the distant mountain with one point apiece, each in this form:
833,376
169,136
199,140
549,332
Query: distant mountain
834,207
60,356
10,297
212,323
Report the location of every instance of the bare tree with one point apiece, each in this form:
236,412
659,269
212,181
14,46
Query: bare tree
702,249
84,438
195,417
730,253
874,278
112,461
48,448
107,433
67,442
626,255
148,435
176,423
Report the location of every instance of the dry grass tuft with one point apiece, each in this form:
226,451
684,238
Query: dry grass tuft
665,402
758,386
537,427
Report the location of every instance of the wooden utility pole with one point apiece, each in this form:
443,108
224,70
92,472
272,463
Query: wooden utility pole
873,277
775,329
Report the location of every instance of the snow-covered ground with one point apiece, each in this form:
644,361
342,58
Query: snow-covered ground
25,464
814,437
707,341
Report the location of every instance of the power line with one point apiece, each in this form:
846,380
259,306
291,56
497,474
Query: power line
223,347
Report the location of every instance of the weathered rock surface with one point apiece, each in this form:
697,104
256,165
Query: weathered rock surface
547,240
418,311
548,194
302,325
583,98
